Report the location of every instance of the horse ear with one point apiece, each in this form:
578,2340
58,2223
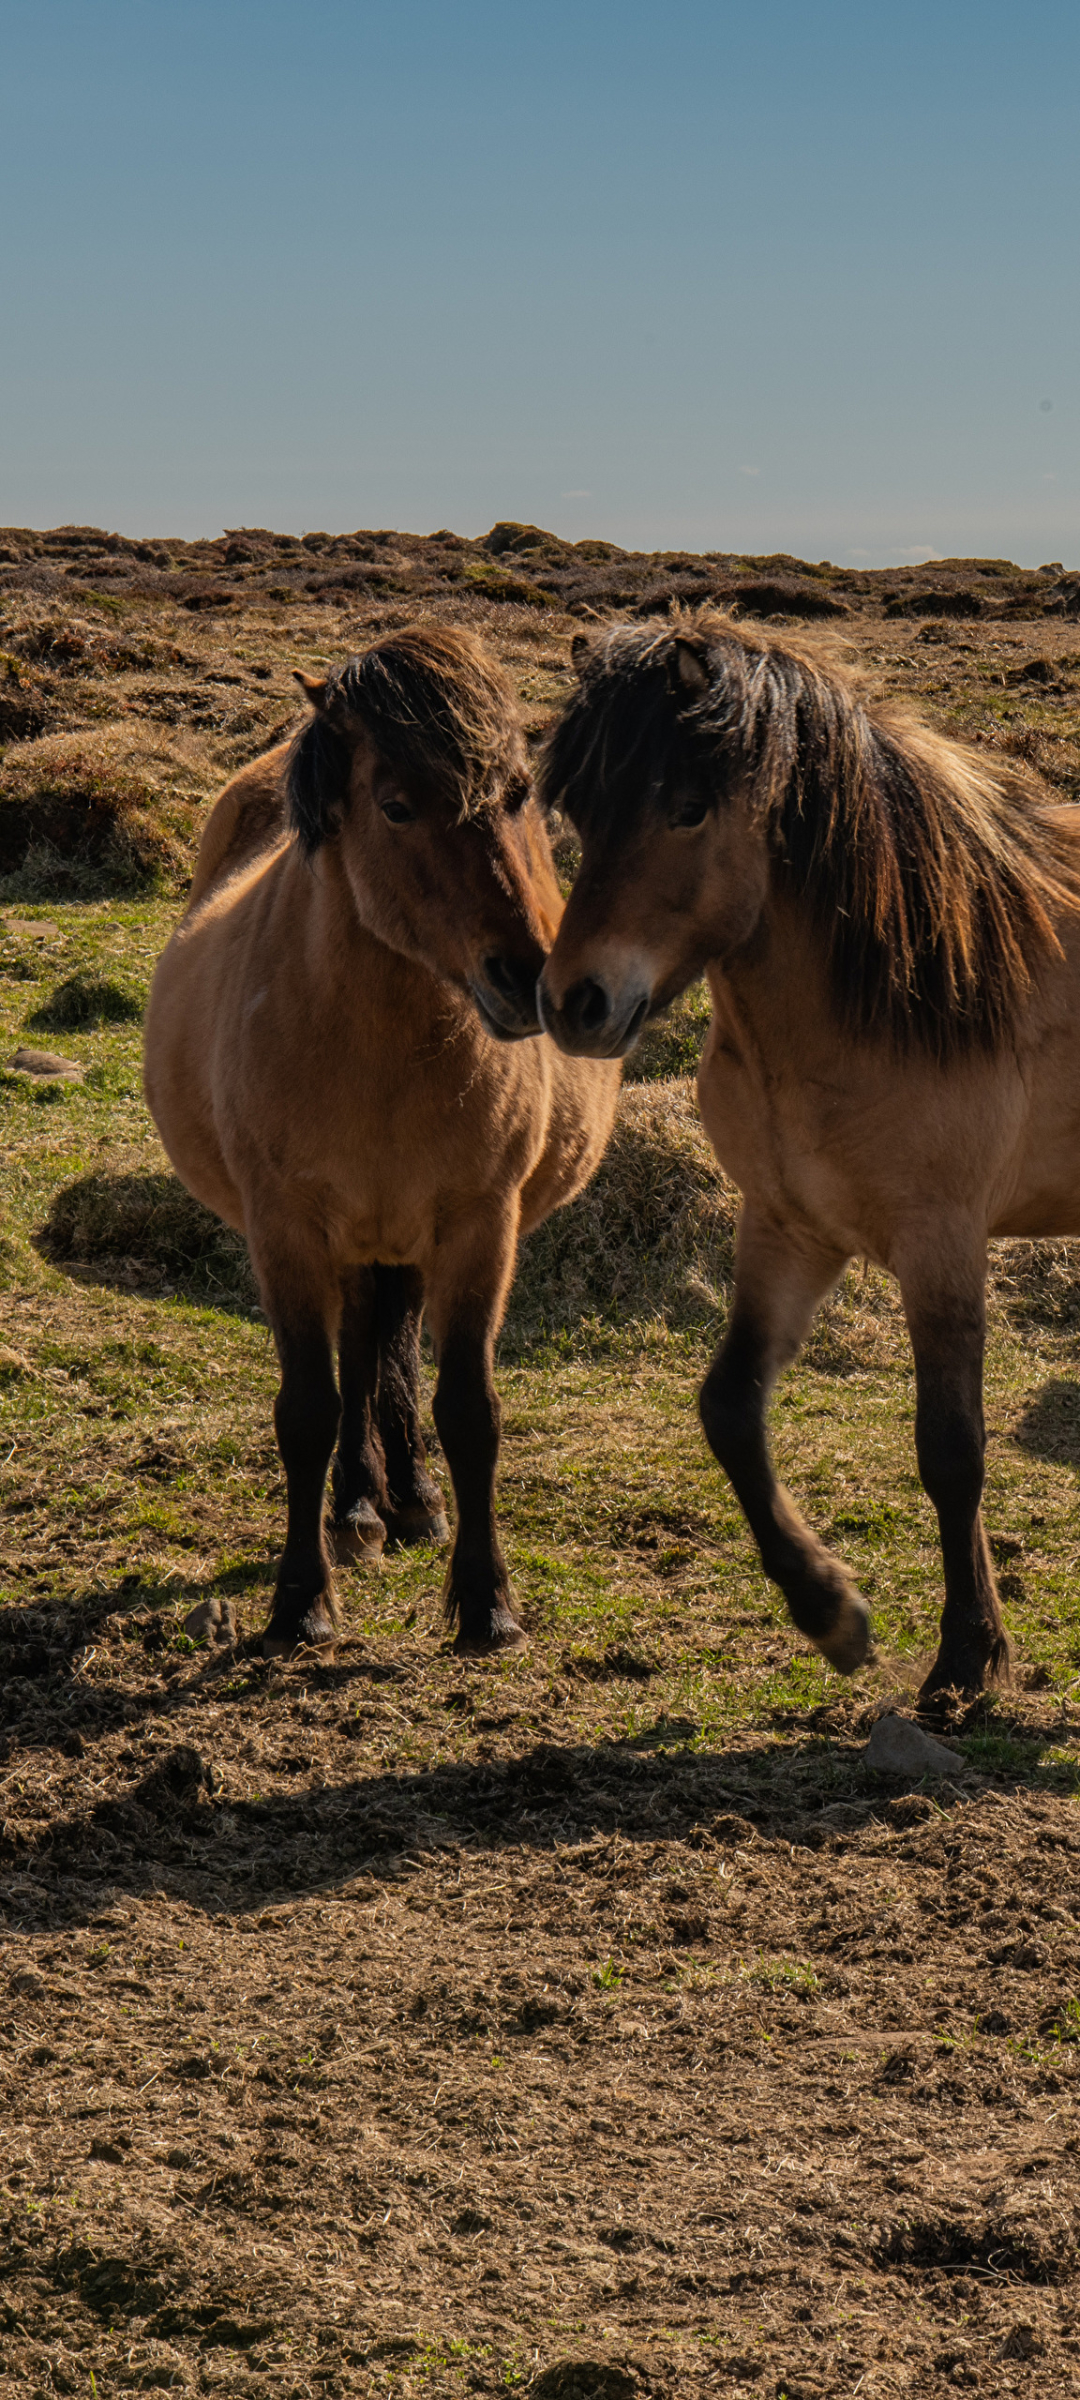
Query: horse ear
579,651
690,670
317,782
314,690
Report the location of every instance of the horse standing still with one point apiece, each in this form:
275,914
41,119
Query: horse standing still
889,925
337,1064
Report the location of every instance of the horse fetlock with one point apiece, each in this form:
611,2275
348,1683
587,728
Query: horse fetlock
359,1538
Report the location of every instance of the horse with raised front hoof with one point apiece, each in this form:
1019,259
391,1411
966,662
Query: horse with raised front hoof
890,926
344,1061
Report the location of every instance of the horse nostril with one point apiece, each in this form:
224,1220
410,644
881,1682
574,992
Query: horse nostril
587,1005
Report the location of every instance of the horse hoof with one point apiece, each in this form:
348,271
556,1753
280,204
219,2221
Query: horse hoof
960,1676
359,1538
849,1641
501,1637
415,1523
316,1631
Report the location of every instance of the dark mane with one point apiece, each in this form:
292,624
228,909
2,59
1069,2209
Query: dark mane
439,710
933,873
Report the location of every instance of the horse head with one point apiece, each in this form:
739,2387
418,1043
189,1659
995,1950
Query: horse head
674,866
412,773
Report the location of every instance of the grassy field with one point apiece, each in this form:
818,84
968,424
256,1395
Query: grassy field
592,2023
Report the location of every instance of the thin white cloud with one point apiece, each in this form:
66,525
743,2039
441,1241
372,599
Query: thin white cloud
749,470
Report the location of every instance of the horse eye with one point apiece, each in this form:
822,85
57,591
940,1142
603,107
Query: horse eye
398,812
693,811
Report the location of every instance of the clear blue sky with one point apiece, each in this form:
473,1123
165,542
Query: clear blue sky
799,275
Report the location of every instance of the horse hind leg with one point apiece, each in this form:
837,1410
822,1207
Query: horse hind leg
360,1502
943,1291
414,1511
779,1283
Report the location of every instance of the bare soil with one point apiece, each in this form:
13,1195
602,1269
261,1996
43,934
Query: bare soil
595,2024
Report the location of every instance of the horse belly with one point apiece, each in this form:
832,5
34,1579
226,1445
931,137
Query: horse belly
176,1081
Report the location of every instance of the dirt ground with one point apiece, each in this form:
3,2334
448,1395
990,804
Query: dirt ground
594,2024
341,2056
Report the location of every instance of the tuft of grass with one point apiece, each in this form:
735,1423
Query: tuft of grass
106,809
85,999
784,1975
149,1217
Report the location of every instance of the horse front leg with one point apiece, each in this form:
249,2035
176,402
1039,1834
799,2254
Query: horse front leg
944,1293
358,1482
466,1296
779,1281
414,1511
302,1300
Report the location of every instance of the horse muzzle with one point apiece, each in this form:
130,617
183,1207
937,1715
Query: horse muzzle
504,992
592,1021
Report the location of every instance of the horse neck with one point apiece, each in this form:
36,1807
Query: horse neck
777,985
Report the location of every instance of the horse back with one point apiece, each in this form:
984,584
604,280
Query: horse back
247,818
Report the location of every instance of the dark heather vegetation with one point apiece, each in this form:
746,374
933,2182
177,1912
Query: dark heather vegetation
594,2023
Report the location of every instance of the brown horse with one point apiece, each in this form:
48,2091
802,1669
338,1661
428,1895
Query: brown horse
336,1063
889,924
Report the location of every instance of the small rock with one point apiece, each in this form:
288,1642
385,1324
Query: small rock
31,929
46,1063
27,1985
897,1746
215,1620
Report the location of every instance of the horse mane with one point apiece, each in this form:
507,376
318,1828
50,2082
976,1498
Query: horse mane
440,712
932,872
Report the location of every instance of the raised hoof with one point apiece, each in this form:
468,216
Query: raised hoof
360,1538
502,1636
415,1523
849,1641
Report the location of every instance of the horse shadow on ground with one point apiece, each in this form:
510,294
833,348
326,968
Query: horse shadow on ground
1050,1424
174,1827
167,1819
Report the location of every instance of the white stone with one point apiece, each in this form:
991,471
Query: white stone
897,1746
